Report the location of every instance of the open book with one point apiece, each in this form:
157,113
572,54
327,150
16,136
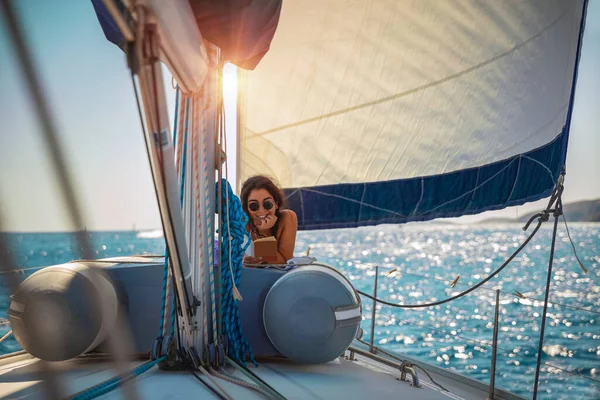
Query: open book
266,248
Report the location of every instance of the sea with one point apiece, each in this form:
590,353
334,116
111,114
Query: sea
417,263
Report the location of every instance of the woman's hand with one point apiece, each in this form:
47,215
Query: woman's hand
266,223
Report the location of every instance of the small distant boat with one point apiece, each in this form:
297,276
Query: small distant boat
153,234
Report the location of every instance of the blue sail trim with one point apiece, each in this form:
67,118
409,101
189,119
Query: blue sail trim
575,75
107,23
514,181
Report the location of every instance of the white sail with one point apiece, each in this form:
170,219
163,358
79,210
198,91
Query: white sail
376,91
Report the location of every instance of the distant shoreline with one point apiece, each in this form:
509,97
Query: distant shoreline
587,211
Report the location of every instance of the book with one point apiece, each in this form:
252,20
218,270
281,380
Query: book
266,248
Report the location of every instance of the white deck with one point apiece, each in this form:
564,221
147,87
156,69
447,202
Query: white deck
339,379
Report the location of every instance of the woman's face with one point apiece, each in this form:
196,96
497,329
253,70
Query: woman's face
260,205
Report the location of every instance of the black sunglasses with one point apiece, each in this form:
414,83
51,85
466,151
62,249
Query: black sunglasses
255,205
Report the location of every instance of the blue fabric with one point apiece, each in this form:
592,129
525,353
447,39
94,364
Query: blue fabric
108,24
525,177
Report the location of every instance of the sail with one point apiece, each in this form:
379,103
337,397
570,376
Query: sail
371,112
182,46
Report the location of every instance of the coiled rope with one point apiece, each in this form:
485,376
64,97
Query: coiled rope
235,240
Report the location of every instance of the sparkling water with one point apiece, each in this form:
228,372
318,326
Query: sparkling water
417,263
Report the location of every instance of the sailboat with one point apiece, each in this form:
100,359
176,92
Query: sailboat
367,113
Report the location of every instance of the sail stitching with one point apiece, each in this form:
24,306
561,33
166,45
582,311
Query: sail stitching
475,188
515,182
476,183
402,215
421,198
302,206
362,198
543,165
354,201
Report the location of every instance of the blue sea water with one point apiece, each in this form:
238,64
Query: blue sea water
416,263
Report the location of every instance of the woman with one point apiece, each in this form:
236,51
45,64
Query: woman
262,201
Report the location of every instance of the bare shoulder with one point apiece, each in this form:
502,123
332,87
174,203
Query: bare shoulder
289,217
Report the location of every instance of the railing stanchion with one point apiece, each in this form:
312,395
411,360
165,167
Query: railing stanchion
494,349
374,311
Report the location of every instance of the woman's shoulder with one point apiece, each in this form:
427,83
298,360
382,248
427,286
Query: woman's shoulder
288,222
289,215
288,218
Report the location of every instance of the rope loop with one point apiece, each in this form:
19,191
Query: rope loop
234,242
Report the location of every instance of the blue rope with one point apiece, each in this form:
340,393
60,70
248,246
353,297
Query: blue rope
234,225
164,293
114,383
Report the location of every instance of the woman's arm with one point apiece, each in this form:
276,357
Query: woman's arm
287,239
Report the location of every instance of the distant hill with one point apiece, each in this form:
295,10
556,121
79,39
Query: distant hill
580,211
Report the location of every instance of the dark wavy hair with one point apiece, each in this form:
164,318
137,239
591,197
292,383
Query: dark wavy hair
262,182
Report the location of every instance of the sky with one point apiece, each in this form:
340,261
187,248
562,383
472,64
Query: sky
90,94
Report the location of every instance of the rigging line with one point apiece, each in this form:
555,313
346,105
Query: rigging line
50,136
21,270
242,383
505,294
141,46
557,213
153,94
167,274
478,341
6,336
224,394
509,352
555,303
212,389
143,126
214,381
219,223
430,377
198,216
236,293
576,373
443,280
399,359
246,371
414,90
493,274
208,217
503,349
573,245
